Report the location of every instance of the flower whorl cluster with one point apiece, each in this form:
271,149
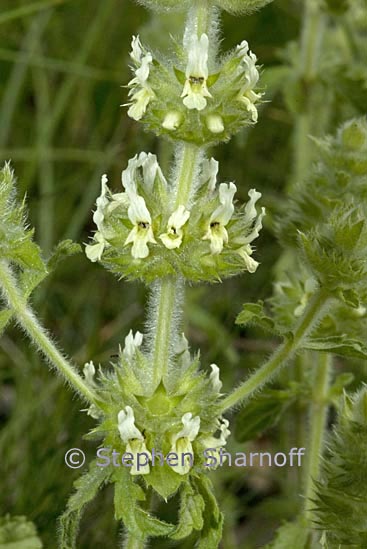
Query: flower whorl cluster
203,101
142,235
150,421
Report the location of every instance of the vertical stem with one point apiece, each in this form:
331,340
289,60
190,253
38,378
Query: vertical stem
166,310
190,156
311,38
302,363
167,307
311,42
133,543
202,13
164,325
318,419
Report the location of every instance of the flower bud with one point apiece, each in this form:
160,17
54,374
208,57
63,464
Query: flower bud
215,123
172,121
354,134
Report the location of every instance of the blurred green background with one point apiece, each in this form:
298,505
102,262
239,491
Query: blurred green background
63,71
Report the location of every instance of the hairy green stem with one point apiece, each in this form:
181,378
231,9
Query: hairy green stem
301,366
38,335
318,420
168,305
190,157
311,42
282,355
131,542
202,14
166,310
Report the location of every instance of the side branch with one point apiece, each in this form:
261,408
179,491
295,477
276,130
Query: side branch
38,334
282,355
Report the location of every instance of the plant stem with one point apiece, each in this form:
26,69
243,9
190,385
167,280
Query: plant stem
202,16
318,419
38,335
311,42
168,289
189,161
132,543
167,310
301,366
282,355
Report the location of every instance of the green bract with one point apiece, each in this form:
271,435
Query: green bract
337,251
341,503
339,178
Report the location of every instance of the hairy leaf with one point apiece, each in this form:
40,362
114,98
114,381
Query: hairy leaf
87,487
262,412
338,344
290,534
191,512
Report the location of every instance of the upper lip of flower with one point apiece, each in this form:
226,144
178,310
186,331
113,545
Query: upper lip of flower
140,91
217,233
251,75
195,90
126,425
141,233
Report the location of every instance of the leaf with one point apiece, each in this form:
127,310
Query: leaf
290,534
261,413
137,521
211,534
164,480
28,255
338,344
337,389
29,280
191,513
16,244
87,487
63,250
253,313
18,533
